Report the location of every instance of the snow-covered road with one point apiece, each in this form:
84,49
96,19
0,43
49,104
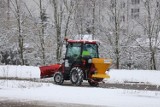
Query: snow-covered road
47,92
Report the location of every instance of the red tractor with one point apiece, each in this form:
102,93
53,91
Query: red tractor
81,62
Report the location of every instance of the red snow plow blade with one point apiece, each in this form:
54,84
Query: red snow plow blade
48,71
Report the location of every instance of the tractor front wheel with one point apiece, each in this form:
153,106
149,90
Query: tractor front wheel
58,78
76,76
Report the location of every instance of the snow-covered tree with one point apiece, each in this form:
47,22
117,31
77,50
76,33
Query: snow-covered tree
150,24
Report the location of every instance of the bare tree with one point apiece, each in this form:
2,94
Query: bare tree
17,12
57,5
43,19
70,7
114,28
63,10
8,12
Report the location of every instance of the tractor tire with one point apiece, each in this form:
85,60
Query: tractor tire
76,76
93,83
58,78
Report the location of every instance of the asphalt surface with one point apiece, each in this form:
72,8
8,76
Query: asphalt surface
132,86
12,103
126,85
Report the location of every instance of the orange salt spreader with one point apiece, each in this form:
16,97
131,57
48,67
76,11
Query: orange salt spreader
101,65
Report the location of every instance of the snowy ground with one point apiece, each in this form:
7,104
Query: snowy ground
48,92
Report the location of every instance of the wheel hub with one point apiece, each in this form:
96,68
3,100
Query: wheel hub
74,76
58,78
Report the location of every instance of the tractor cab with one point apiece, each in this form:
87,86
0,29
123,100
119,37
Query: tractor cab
79,52
81,62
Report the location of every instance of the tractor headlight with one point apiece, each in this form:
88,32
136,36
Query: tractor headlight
89,60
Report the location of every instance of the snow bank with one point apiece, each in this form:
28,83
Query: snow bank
19,71
116,76
133,76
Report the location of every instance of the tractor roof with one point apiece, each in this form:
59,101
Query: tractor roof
83,41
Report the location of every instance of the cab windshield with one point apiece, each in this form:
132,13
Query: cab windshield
74,50
91,50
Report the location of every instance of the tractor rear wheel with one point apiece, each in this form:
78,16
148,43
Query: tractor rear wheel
58,78
76,76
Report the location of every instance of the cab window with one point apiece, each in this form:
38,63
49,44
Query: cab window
90,49
74,50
